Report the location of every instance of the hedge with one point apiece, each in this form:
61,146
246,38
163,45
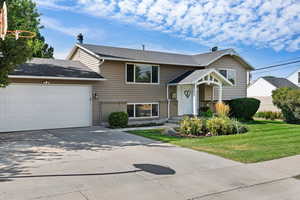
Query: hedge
118,120
243,108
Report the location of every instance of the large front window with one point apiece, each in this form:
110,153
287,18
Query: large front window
229,74
139,110
142,73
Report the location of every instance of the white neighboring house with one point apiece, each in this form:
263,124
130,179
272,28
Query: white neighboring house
295,77
262,89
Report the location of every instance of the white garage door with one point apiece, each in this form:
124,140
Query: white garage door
36,106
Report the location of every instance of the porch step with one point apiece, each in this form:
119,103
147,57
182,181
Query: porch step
175,120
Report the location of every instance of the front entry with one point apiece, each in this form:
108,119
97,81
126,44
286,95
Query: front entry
185,99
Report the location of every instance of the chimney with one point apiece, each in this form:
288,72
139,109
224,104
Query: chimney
214,49
143,47
80,38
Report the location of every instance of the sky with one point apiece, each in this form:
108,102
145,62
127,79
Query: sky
263,32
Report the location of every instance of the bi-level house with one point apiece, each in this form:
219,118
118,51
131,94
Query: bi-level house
97,80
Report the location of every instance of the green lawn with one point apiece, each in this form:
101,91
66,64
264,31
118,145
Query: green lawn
266,140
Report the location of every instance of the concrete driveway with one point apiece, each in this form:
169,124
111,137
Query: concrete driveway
94,164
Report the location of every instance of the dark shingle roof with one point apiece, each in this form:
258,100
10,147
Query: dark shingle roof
280,82
158,57
55,68
181,77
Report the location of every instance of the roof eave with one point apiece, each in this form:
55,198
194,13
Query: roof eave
55,78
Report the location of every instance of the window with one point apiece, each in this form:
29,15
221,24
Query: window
229,74
142,73
143,110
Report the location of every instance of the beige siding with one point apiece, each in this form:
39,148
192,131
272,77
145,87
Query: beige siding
114,93
240,88
87,59
266,104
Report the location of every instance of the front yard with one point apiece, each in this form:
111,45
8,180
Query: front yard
266,140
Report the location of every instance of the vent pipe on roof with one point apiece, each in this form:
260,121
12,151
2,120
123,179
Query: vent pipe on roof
214,49
143,47
80,38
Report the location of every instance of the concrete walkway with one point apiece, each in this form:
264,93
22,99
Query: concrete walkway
93,164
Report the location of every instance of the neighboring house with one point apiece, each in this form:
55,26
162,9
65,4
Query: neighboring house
98,80
295,77
262,89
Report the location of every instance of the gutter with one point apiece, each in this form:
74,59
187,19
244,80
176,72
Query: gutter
57,78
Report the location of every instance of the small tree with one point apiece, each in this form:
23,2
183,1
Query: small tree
288,100
22,15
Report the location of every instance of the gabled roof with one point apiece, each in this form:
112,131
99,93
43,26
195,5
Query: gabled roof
279,82
41,67
193,76
157,57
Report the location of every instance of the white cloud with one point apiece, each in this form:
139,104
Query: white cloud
262,23
56,25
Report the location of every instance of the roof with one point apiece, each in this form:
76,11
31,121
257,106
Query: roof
280,82
193,76
158,57
42,67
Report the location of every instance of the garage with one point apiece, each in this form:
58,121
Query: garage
48,94
37,106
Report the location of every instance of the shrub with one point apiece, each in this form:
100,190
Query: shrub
288,100
222,109
243,108
207,114
270,115
225,126
118,120
192,126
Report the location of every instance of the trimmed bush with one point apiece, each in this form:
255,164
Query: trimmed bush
192,126
243,108
288,100
118,120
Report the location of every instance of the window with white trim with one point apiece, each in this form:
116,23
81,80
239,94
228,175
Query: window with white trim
143,110
230,74
142,73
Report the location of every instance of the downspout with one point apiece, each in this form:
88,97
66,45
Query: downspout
168,100
99,103
101,63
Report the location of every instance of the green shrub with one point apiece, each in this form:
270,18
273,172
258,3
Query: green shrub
192,126
207,114
118,120
243,108
269,115
225,126
288,101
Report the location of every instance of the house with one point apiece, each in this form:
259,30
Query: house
295,77
97,80
262,89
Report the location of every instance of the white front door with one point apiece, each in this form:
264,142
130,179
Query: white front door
36,106
185,99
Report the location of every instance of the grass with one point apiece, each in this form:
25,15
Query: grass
266,140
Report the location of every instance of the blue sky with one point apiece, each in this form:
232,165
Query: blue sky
264,32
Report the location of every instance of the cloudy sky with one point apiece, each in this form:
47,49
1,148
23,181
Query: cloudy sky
264,32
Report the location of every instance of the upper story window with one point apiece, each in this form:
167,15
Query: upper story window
230,74
142,73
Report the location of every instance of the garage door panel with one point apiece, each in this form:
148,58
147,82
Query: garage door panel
31,107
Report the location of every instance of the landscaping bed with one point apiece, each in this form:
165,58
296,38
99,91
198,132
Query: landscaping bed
266,140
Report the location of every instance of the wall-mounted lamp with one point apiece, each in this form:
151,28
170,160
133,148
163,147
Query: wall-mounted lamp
95,95
45,82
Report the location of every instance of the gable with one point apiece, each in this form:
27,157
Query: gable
260,88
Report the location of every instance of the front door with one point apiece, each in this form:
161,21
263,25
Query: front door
185,99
